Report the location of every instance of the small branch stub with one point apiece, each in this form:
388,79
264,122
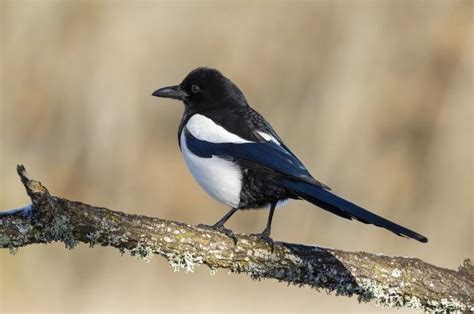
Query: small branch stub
389,281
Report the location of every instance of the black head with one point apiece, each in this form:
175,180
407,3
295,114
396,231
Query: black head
203,89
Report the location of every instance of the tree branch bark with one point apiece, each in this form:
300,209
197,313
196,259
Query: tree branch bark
389,281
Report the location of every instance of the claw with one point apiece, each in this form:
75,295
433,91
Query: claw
264,237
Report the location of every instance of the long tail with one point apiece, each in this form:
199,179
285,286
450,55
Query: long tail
341,207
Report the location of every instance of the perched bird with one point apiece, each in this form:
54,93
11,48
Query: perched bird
238,159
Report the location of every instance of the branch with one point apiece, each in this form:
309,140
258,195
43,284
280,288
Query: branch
389,281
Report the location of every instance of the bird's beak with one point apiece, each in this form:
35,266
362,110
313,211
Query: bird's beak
174,92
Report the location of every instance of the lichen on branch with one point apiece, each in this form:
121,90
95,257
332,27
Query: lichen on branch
389,281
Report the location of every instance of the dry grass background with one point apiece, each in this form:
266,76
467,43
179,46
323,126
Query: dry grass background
375,97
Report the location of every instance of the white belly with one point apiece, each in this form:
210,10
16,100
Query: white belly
220,178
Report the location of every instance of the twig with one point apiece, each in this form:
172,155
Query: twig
389,281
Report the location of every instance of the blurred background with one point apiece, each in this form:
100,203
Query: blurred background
375,97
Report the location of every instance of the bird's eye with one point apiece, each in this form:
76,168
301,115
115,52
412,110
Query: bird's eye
195,89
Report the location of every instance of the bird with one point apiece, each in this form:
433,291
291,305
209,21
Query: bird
236,156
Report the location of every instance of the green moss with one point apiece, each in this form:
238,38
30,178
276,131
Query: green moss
93,237
394,297
60,229
186,261
4,240
12,242
143,251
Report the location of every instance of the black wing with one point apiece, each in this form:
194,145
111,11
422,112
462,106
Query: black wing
266,154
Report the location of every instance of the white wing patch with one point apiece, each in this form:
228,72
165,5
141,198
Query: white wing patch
268,137
204,129
220,178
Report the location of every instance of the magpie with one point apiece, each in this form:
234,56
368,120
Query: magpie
238,159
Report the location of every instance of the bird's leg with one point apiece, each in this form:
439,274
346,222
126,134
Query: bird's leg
265,235
220,225
222,221
268,228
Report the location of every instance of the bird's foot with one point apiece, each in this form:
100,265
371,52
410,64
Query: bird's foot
220,228
264,236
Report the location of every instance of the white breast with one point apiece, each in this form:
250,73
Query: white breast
220,178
